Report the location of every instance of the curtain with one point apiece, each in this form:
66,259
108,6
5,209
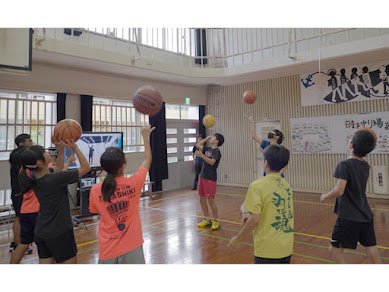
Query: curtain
61,106
159,166
86,112
201,126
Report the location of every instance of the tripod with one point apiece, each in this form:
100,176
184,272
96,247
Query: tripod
78,218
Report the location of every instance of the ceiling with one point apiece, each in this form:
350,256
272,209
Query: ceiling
293,67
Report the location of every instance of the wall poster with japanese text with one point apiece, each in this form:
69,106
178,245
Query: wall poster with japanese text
331,134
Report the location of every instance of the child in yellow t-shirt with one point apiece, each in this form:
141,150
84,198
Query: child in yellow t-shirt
270,202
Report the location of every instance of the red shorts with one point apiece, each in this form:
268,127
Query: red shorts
207,188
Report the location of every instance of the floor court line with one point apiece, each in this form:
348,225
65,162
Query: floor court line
186,194
298,201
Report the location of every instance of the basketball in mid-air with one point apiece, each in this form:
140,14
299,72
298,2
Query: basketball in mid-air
66,129
147,100
369,130
209,121
249,97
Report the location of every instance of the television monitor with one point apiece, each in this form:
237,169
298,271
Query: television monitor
93,145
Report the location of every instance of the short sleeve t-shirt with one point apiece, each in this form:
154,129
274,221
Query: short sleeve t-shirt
120,229
209,171
265,143
272,198
54,216
30,203
353,205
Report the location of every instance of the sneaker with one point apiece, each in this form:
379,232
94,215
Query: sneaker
12,246
204,223
193,189
28,251
215,225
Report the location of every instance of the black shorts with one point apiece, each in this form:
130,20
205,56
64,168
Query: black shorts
347,233
285,260
17,203
27,226
60,248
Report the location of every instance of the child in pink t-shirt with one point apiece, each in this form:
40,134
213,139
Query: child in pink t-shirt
117,201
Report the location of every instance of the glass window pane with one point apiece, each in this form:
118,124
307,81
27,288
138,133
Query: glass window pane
190,140
172,112
48,115
190,131
11,111
172,159
189,112
4,156
40,140
34,111
171,131
3,111
188,158
171,149
11,138
188,149
41,113
27,110
171,140
3,135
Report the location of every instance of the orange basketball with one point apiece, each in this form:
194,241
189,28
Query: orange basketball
147,100
66,129
371,131
249,97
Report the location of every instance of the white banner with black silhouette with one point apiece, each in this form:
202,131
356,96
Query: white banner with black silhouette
330,134
347,84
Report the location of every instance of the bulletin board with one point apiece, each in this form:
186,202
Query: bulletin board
330,134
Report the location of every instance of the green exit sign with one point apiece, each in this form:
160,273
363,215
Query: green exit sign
187,100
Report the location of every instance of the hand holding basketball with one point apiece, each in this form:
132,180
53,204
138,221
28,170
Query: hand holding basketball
69,144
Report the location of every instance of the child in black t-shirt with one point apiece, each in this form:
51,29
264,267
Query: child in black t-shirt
208,177
53,232
355,218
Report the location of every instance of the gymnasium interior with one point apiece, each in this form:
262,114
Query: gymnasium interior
90,74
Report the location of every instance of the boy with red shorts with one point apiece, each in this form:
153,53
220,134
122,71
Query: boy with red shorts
208,176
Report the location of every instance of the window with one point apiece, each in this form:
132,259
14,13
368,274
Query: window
183,112
176,40
120,116
26,112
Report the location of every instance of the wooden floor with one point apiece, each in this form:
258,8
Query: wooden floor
171,235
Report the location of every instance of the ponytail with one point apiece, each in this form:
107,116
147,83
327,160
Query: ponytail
25,181
111,161
109,187
28,159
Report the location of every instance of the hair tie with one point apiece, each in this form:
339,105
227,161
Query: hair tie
31,166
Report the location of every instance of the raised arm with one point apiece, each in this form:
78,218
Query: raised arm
84,165
146,131
60,157
68,162
252,130
200,145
